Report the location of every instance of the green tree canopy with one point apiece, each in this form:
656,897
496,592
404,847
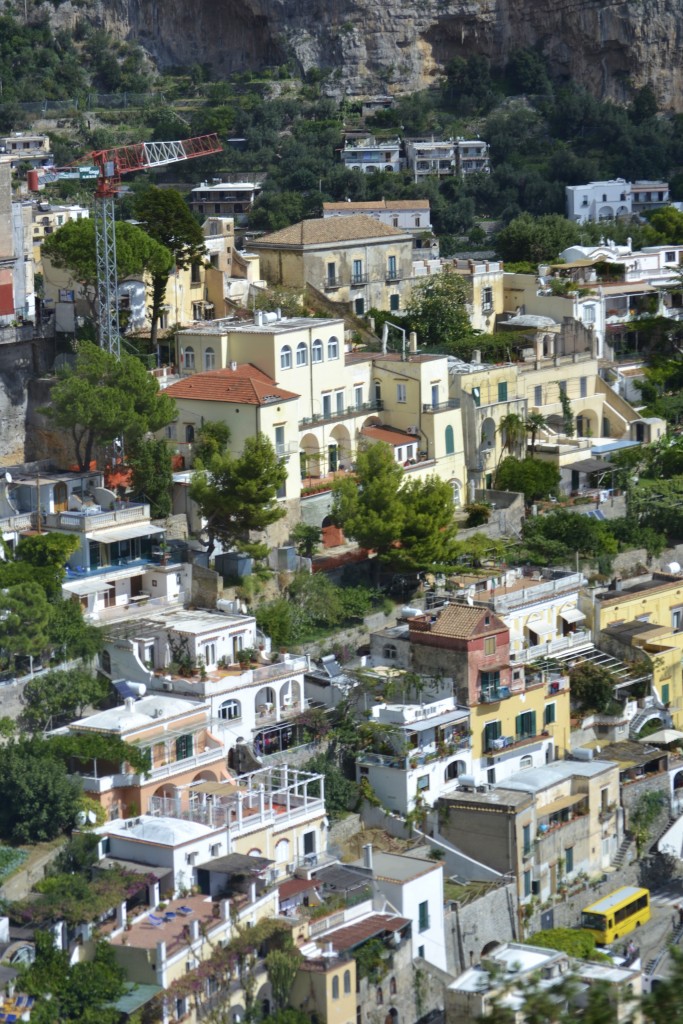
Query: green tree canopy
592,687
211,439
532,477
536,239
57,698
428,528
39,800
24,621
237,496
72,248
437,311
166,217
152,474
101,398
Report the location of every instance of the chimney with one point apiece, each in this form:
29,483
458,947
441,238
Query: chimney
367,856
129,704
233,366
258,318
278,313
412,342
476,355
194,929
252,892
225,910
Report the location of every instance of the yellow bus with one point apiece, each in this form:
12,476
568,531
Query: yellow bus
617,914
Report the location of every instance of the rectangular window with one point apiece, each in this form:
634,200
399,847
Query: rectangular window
569,860
357,273
676,618
489,645
279,440
527,883
525,725
340,401
665,693
503,391
359,307
394,303
487,300
583,387
526,839
358,396
184,747
492,731
327,406
538,394
549,714
423,916
423,782
401,395
331,273
476,396
391,268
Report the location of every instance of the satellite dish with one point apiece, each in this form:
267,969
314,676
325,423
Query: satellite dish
8,478
92,817
81,818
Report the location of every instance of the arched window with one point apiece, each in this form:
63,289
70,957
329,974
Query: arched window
347,983
282,851
285,358
526,762
230,710
189,433
450,441
380,997
392,987
333,349
335,987
209,359
317,351
301,354
390,652
189,358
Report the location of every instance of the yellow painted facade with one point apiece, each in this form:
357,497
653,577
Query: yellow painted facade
485,282
326,989
552,718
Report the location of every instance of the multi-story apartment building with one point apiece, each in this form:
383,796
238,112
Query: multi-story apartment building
411,215
432,157
182,749
17,290
254,698
432,747
26,148
543,825
325,402
472,156
506,971
485,281
357,260
225,199
47,218
515,721
607,200
369,156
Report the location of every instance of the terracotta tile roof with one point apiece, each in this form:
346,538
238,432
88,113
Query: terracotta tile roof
247,385
329,229
293,886
462,622
389,435
379,204
352,935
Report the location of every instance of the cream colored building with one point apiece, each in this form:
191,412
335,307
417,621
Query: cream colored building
357,260
293,380
485,281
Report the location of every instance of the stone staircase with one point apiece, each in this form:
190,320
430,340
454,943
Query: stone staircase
646,715
620,855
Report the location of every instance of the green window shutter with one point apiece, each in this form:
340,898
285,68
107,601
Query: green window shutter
503,391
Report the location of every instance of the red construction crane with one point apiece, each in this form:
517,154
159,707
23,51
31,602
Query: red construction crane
108,166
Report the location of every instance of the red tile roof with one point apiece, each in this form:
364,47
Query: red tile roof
389,435
293,886
354,934
246,385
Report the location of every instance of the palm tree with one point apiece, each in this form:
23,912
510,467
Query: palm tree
536,421
512,429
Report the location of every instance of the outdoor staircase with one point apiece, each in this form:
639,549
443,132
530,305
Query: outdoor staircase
620,855
653,711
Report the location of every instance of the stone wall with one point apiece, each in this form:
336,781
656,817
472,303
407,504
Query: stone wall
471,928
18,439
207,587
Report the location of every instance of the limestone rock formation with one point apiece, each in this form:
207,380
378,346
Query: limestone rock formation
373,46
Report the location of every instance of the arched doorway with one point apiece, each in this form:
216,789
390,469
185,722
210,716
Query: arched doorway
339,448
489,948
309,456
454,770
488,433
205,776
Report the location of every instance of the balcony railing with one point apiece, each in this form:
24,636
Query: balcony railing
349,410
494,695
94,518
358,279
392,276
451,403
580,639
331,284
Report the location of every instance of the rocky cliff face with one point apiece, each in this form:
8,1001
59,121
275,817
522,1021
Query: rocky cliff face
375,45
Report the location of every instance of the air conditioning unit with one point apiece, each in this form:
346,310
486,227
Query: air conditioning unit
413,430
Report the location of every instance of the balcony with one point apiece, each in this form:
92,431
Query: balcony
349,410
358,280
392,276
494,695
451,403
581,639
332,284
508,743
286,449
92,517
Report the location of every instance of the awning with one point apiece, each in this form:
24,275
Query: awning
83,587
540,628
560,804
125,533
589,466
573,615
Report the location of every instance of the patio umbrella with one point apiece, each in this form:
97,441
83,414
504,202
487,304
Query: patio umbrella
662,737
